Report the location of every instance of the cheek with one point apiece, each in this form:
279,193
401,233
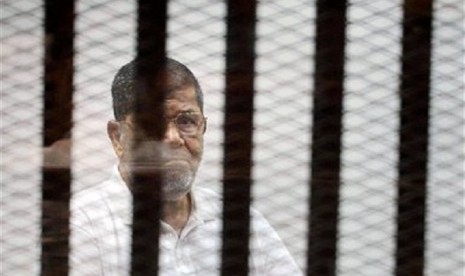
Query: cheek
195,147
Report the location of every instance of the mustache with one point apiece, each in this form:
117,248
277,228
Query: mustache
165,166
154,152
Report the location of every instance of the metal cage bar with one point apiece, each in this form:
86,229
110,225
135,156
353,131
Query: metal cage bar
57,124
413,151
148,111
238,130
326,136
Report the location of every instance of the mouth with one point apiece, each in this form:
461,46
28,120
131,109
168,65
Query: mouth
175,164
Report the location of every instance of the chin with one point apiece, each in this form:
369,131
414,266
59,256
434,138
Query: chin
176,184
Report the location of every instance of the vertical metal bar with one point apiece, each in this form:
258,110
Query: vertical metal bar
238,129
57,124
145,185
413,151
326,136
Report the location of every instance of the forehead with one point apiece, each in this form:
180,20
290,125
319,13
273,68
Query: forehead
180,100
176,101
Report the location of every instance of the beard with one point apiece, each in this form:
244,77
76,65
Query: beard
176,179
176,182
174,166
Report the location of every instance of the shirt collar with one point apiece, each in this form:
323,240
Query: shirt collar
206,205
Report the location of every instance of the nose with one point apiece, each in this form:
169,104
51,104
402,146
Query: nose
172,136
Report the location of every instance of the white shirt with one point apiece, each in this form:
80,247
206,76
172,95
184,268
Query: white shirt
101,237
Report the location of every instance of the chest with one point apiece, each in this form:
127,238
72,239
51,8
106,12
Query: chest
196,251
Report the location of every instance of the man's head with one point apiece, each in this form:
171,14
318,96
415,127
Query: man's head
176,156
124,84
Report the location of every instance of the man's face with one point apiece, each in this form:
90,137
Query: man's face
176,157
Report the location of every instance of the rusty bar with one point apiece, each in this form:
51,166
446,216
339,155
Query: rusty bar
413,145
326,137
57,124
145,185
238,130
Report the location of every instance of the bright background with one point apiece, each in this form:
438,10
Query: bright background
284,67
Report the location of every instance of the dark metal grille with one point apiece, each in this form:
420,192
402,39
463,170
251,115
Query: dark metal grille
341,122
238,129
57,125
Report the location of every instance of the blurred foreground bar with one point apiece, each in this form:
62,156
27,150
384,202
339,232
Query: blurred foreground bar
151,44
414,121
238,130
326,137
57,124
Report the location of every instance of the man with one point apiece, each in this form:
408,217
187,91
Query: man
190,230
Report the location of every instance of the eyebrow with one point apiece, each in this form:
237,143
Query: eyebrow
190,110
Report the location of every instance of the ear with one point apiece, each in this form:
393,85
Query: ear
205,125
115,133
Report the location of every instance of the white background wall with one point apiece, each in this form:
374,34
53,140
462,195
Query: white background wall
285,45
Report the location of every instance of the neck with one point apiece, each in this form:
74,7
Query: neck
176,213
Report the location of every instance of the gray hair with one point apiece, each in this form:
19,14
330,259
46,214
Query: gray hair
123,89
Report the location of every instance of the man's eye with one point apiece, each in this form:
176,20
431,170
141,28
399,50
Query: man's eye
186,120
189,123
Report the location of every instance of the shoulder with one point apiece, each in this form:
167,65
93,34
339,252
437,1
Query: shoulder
208,199
269,253
205,193
89,197
95,204
208,204
261,227
96,197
